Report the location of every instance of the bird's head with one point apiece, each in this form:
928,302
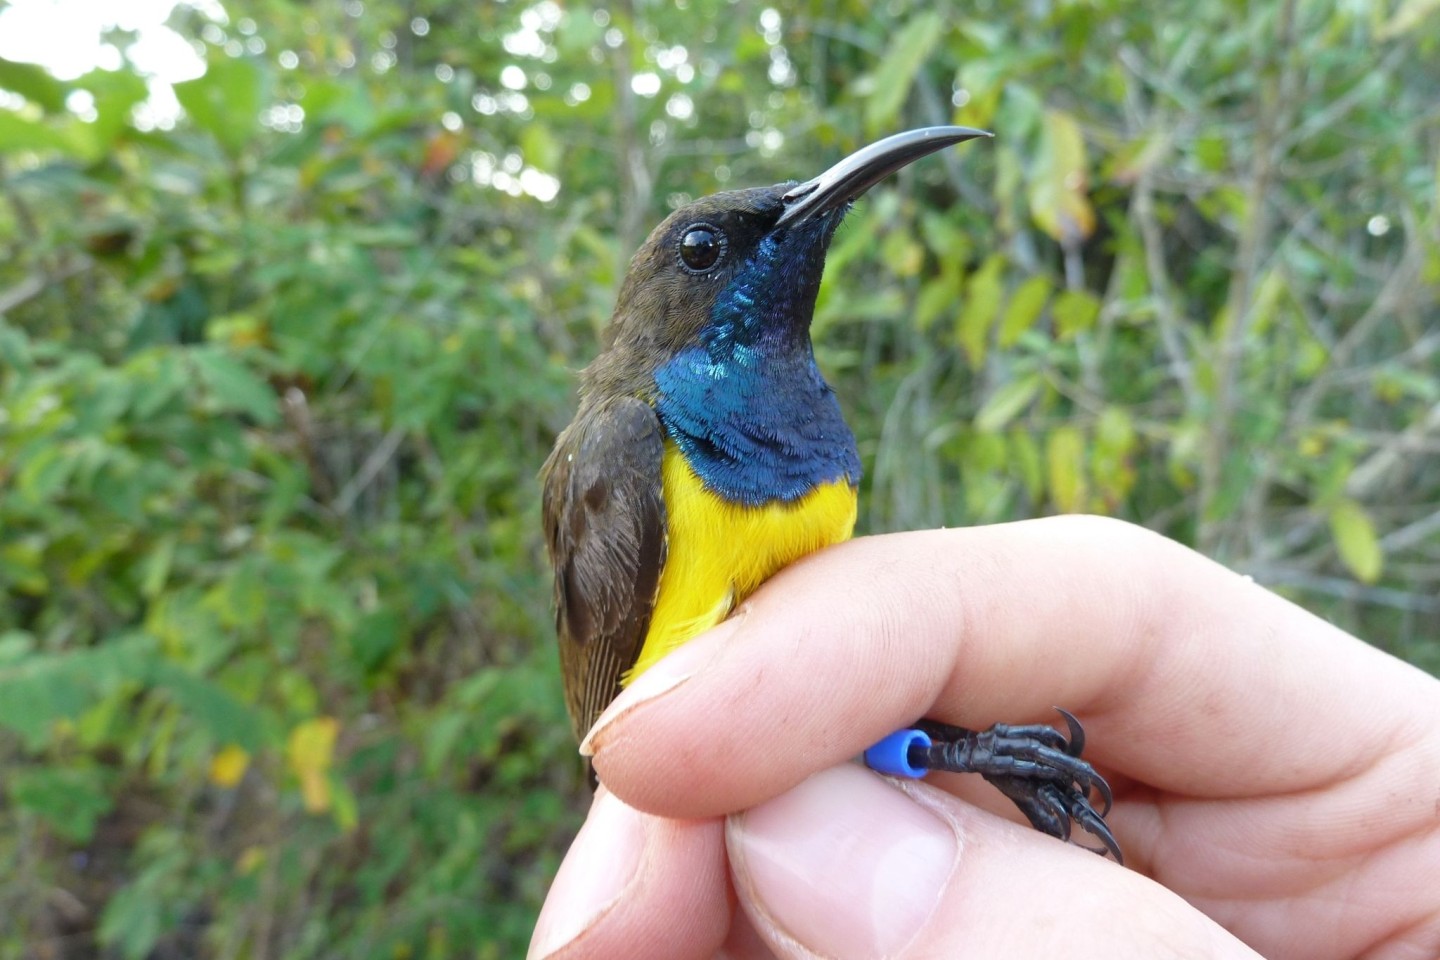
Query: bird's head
743,267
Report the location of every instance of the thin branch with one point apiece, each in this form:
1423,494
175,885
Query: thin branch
1240,302
1346,102
35,284
1169,321
369,470
1411,534
295,408
27,289
1399,284
1367,477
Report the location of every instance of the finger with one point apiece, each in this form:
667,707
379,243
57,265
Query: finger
636,886
1184,672
744,943
848,865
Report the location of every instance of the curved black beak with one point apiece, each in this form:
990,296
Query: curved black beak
866,167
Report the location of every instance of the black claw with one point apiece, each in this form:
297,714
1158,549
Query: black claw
1037,767
1103,788
1077,732
1077,745
1093,823
1100,830
1056,803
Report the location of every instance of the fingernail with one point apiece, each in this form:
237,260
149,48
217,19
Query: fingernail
845,864
601,863
672,670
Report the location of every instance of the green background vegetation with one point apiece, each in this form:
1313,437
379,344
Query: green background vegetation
276,669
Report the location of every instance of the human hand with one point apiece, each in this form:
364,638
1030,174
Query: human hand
1274,777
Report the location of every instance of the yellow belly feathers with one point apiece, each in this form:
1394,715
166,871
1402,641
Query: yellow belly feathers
720,552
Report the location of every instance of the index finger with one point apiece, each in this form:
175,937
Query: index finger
1182,670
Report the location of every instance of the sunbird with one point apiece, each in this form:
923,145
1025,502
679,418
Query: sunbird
708,452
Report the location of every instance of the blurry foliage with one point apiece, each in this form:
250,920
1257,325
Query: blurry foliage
276,669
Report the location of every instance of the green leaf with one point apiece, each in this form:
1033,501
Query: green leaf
1410,15
37,691
15,350
155,569
159,376
1115,432
225,102
224,718
1212,153
1059,194
1356,540
1065,468
133,921
32,698
540,147
14,646
34,84
155,898
947,240
1024,307
937,297
1026,460
902,253
70,800
1006,403
18,134
982,302
234,387
1114,443
45,475
1075,312
116,94
376,636
895,74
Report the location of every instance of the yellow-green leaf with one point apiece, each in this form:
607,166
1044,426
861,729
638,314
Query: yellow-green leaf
540,147
896,72
1065,469
34,84
1075,312
937,297
1025,456
1110,465
1006,403
228,766
1025,305
310,753
1267,302
1410,15
234,386
1356,540
983,82
226,101
346,806
155,569
19,133
1114,432
1134,159
982,302
902,253
1059,180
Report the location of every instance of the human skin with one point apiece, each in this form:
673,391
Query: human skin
1277,781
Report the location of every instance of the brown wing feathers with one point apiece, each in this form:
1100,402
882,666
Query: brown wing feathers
605,521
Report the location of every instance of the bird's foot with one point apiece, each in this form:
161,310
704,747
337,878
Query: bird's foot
1035,765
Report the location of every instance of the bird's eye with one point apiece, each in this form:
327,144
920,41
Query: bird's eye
701,247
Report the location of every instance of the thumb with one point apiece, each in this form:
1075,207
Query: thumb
849,865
